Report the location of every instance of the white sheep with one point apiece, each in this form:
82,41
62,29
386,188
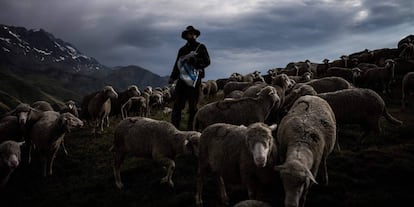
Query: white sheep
237,111
149,138
47,135
238,154
9,160
305,137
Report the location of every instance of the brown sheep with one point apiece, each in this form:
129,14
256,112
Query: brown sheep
228,110
149,138
99,107
9,160
48,133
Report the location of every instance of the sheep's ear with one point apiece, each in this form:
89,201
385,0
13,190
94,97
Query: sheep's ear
273,127
310,176
21,143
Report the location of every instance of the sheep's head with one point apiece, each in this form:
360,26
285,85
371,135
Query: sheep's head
68,121
133,91
326,61
390,64
356,72
296,179
10,154
22,111
110,92
191,142
260,142
269,91
307,76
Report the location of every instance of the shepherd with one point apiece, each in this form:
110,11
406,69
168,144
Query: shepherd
188,72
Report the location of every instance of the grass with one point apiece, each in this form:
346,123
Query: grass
378,173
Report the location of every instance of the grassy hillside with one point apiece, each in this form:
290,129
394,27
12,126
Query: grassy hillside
376,173
15,89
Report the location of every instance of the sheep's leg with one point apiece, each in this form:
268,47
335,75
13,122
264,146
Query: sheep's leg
107,120
30,153
102,124
302,199
64,148
117,169
170,165
52,159
44,161
199,192
324,171
222,189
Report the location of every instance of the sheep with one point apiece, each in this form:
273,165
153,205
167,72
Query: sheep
9,160
305,137
149,138
209,88
156,101
47,135
350,75
70,106
252,203
220,83
10,129
327,84
123,97
407,88
99,106
383,75
235,85
42,106
228,110
237,154
137,103
353,106
305,77
236,77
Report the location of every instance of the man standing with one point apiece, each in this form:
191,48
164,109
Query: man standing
200,60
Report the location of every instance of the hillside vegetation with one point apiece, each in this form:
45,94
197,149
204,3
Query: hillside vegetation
378,173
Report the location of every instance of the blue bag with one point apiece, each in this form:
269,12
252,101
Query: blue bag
188,73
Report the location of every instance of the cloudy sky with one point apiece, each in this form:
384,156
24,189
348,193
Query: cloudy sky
241,36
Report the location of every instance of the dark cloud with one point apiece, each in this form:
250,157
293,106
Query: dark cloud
240,37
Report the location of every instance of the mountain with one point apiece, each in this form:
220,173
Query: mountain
38,50
35,65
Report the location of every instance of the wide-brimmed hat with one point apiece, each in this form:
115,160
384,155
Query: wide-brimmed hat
190,29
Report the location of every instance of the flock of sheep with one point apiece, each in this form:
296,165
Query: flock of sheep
274,128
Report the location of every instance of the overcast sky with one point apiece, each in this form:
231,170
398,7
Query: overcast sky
240,35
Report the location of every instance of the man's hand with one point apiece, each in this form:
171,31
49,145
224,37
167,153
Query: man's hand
170,81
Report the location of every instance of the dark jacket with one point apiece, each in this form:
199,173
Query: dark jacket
201,61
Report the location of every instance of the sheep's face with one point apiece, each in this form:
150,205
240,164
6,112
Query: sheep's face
133,91
191,143
110,92
69,122
269,91
259,142
10,154
296,178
